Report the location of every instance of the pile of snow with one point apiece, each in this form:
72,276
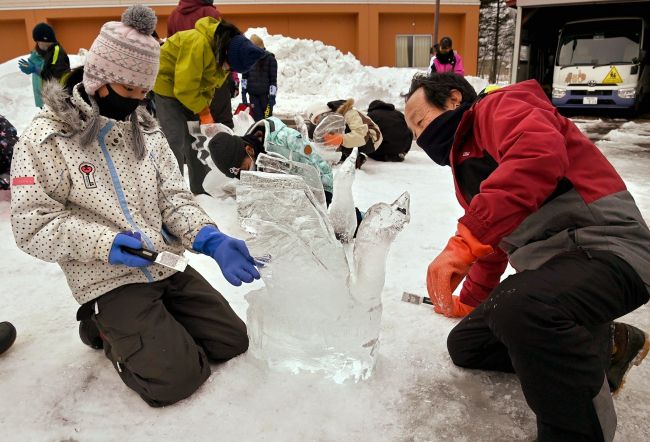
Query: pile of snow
16,93
311,71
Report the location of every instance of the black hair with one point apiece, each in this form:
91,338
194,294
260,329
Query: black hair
445,43
73,77
438,86
222,37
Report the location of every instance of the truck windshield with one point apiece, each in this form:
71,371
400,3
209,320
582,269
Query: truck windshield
599,42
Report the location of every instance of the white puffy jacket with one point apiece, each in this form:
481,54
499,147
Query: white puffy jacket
68,201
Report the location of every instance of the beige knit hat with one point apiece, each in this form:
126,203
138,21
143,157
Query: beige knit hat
124,52
257,41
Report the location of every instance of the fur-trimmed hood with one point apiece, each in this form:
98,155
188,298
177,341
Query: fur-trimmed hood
83,118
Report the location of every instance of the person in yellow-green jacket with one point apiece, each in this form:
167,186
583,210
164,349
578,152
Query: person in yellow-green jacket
193,64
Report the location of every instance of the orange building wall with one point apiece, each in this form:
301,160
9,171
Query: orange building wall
368,31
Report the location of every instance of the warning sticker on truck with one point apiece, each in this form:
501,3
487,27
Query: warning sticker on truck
613,77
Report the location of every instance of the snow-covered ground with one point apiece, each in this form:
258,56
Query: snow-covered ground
54,388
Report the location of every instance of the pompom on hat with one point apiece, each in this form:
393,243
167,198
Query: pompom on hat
124,52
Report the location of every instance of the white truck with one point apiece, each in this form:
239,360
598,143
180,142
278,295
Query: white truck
586,54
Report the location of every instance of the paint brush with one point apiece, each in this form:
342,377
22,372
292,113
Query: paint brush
167,259
415,299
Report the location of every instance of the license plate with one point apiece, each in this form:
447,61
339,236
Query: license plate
590,100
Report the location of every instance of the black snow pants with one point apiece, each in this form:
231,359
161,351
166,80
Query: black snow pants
161,336
550,326
173,118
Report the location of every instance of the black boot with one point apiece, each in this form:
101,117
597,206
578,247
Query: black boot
90,335
361,158
7,336
630,347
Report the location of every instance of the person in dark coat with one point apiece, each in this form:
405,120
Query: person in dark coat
187,12
537,193
8,138
47,60
261,83
397,135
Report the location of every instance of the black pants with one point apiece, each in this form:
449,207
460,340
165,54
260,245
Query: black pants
259,103
550,326
161,336
173,117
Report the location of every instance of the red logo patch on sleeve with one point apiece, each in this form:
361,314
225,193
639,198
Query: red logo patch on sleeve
23,181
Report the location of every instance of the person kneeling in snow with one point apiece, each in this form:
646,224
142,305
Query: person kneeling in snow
397,137
93,174
360,130
232,154
538,193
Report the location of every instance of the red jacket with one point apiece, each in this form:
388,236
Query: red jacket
187,13
533,186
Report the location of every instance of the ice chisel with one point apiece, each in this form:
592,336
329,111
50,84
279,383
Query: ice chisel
167,259
415,299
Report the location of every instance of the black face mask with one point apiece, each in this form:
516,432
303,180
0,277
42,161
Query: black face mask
115,106
436,140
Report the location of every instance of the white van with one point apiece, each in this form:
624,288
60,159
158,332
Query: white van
602,63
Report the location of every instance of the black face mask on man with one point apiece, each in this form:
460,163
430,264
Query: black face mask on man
437,139
115,106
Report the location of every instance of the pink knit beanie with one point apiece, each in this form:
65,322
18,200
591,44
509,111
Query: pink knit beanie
124,52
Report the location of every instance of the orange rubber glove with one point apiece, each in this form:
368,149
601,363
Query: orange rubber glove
458,310
333,140
205,116
449,268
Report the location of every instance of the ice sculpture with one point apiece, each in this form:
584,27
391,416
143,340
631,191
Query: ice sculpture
320,310
331,124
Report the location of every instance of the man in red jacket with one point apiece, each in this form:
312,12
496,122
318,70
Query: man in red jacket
538,193
187,13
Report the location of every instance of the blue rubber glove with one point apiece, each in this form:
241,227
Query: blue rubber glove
118,256
231,254
26,66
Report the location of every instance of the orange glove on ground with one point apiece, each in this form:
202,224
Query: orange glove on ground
205,116
449,268
334,140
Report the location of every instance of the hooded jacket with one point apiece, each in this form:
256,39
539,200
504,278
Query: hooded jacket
69,200
289,143
359,127
533,186
187,12
262,75
396,135
188,66
456,67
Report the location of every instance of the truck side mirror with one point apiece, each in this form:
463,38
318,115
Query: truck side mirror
641,58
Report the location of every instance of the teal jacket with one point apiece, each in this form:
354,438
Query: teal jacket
37,81
291,145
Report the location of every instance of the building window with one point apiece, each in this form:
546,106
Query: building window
412,51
